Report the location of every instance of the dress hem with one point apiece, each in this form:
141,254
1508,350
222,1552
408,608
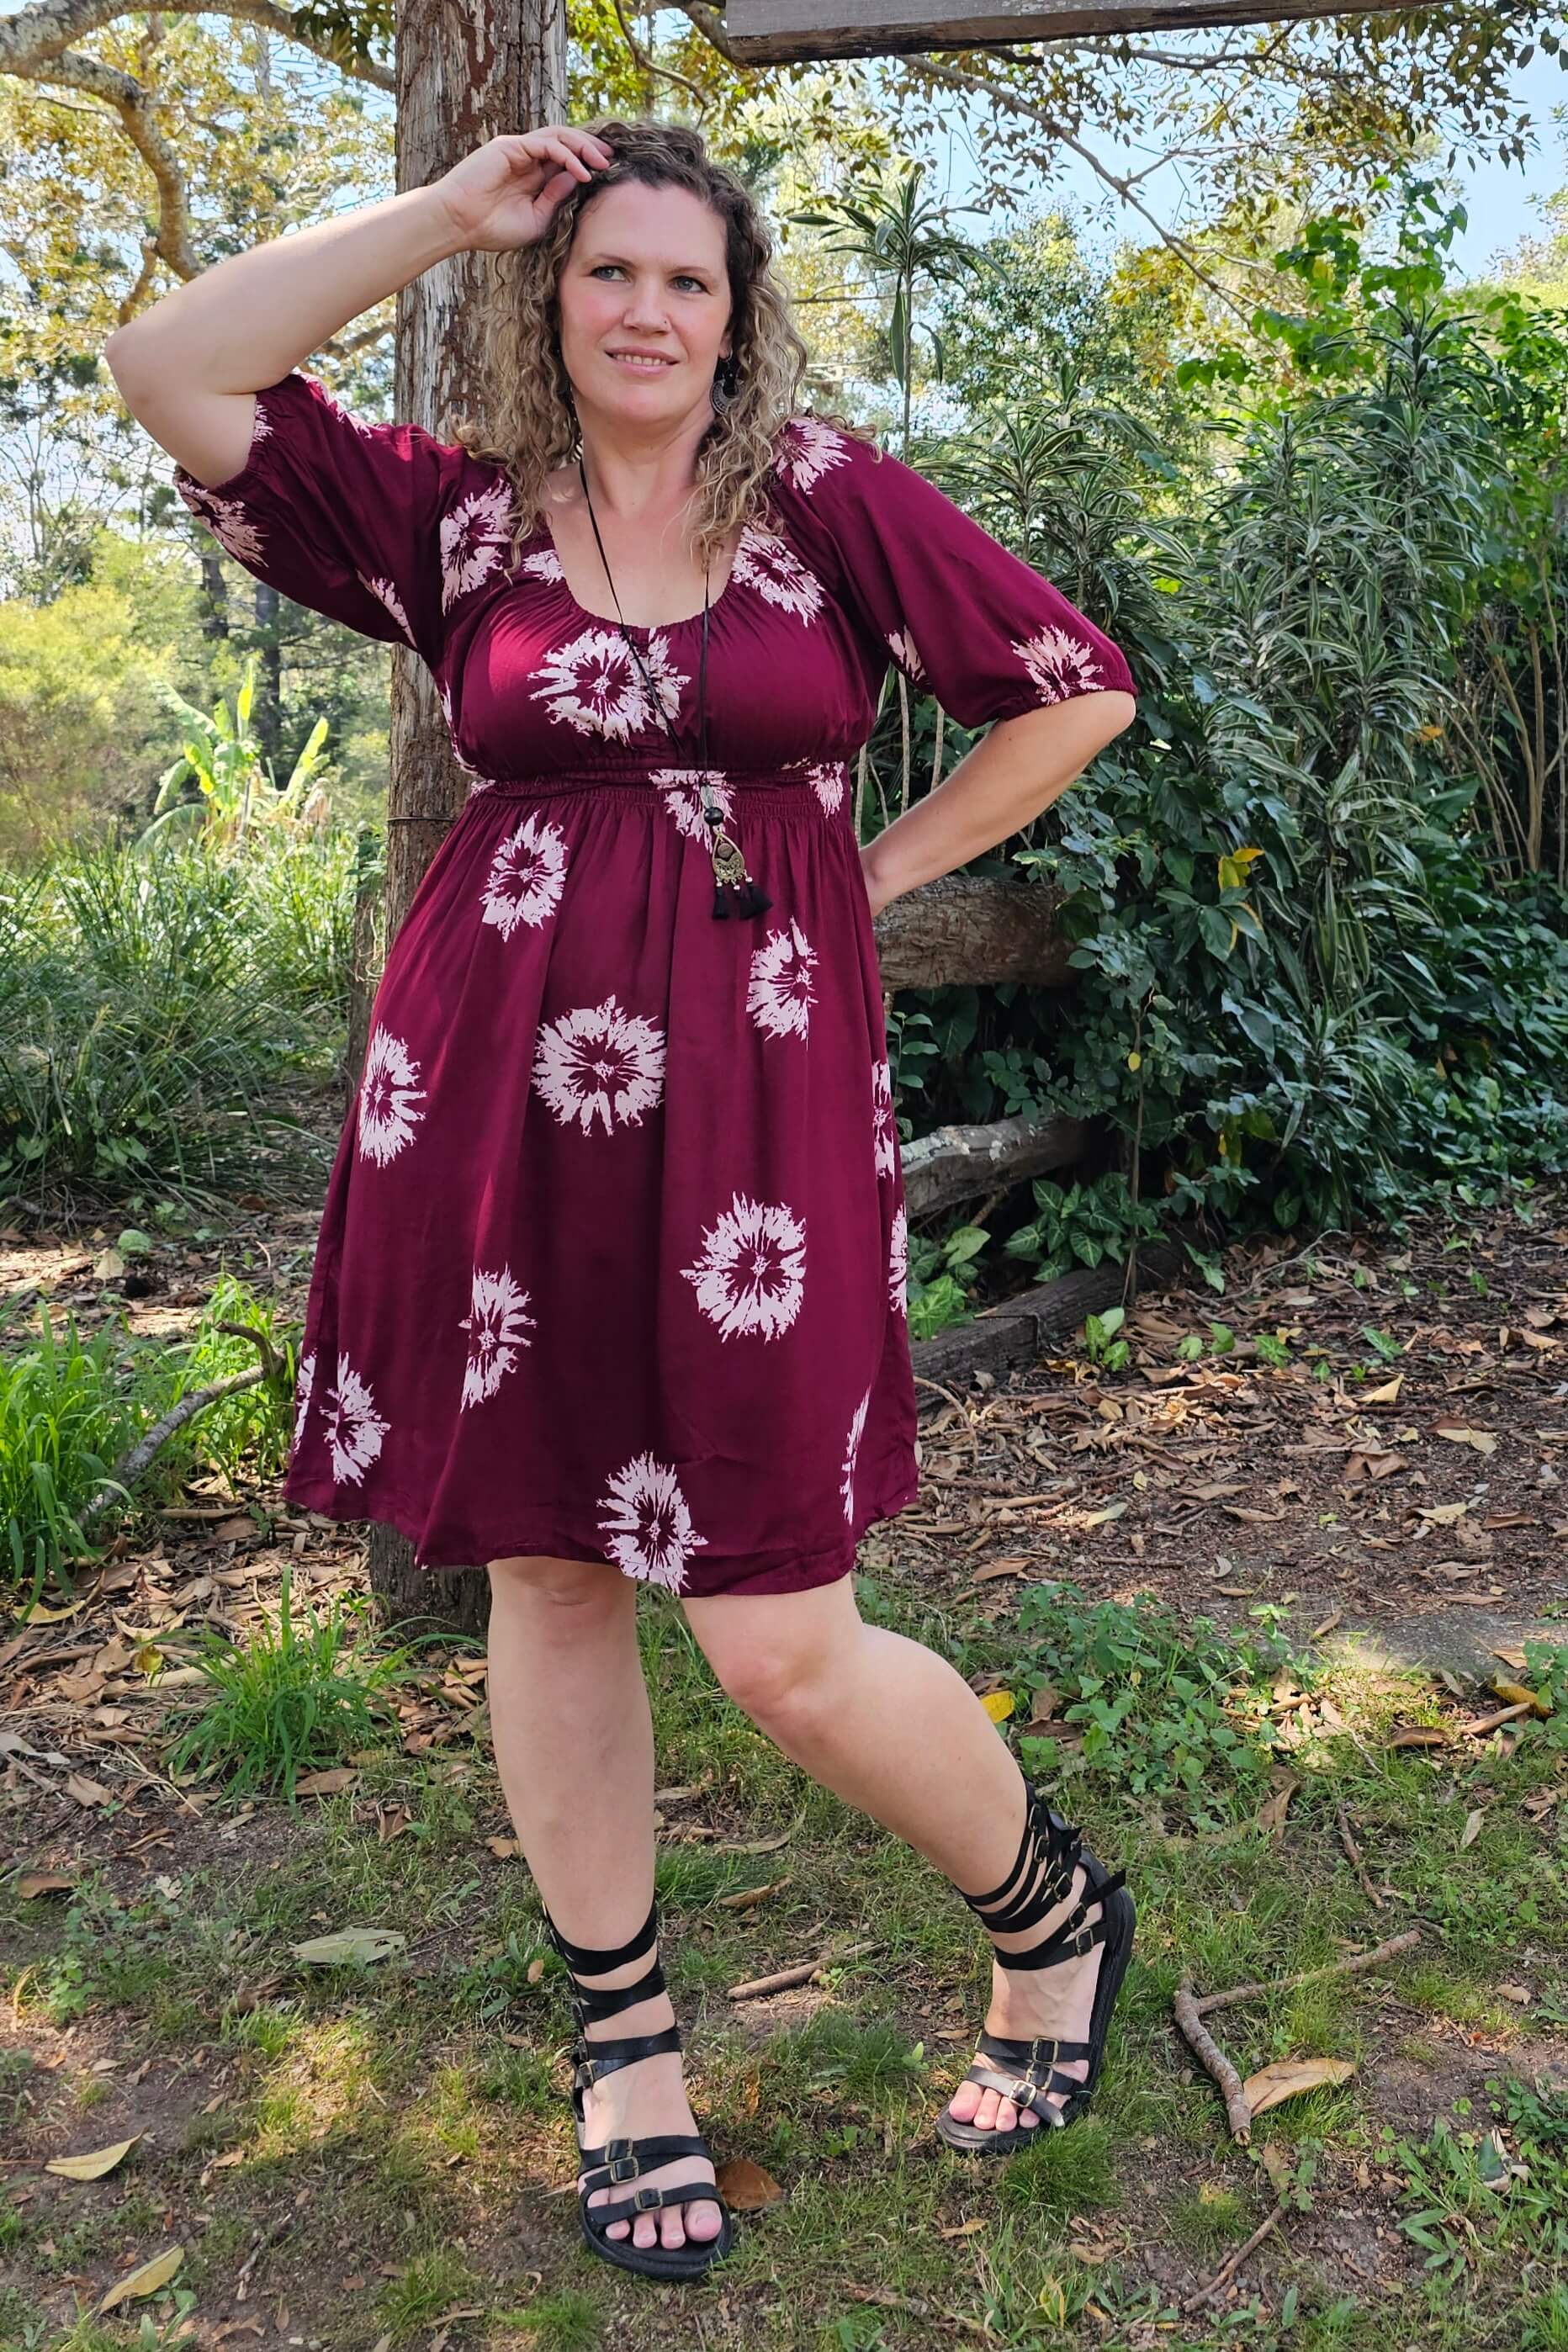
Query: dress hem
800,1574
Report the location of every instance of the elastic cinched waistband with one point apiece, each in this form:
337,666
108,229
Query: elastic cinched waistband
821,790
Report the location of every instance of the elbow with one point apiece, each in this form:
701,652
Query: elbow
1120,707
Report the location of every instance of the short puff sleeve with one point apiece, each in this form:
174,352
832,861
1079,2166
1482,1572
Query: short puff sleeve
964,618
379,526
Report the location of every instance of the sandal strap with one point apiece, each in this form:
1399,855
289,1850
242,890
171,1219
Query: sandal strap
592,2005
1025,2056
623,2160
1046,1840
597,2059
647,2199
594,1961
1027,2090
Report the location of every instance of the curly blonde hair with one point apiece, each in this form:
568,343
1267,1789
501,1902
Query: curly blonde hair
529,427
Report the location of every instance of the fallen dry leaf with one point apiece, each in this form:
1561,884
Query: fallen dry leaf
86,1791
965,2228
350,1944
326,1784
34,1883
93,2165
147,2280
1459,1432
1471,1830
1270,1815
998,1705
745,2187
1420,1735
504,1848
1288,2077
1004,1568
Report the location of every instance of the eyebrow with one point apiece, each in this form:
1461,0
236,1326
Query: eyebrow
696,268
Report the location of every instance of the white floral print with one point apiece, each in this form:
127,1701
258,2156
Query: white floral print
544,564
685,791
495,1323
225,518
354,1428
304,1385
474,539
388,1098
751,1273
649,1524
598,1062
807,448
1061,666
899,1261
852,1448
906,653
779,995
827,781
766,562
884,1123
593,683
527,875
386,591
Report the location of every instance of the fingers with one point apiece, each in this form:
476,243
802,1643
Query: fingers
577,152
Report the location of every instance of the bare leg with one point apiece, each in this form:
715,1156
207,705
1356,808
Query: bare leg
890,1727
573,1744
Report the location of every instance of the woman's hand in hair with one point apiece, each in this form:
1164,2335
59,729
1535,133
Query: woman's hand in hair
505,193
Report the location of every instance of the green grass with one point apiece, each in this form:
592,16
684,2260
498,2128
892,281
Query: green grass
440,2139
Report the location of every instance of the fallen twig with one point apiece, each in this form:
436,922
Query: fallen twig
136,1458
916,2308
1491,1722
1347,1968
1213,2060
1190,2009
1233,2262
802,1972
1353,1856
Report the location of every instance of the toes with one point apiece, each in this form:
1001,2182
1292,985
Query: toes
703,2221
964,2101
985,2113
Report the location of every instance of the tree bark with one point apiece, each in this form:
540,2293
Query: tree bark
967,928
463,77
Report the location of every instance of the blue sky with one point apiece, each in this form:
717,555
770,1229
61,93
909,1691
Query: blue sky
1500,199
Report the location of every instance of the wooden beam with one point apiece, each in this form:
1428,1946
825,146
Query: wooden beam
960,1162
786,32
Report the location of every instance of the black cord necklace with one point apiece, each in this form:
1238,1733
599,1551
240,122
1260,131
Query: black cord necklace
730,878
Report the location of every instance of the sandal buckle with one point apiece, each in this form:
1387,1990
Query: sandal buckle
644,2199
623,2167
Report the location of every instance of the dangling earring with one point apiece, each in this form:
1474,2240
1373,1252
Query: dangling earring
726,380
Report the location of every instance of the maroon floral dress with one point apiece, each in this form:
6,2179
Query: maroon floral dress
612,1264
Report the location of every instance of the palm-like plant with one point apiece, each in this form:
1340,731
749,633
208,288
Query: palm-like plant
236,784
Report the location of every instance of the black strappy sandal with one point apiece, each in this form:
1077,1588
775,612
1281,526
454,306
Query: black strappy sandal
1036,2075
624,2160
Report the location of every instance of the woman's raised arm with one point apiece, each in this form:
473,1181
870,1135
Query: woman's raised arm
189,367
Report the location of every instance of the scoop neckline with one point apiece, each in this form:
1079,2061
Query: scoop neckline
643,629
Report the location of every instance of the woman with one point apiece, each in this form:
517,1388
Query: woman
610,1284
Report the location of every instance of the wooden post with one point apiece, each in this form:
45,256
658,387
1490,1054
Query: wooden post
464,75
785,32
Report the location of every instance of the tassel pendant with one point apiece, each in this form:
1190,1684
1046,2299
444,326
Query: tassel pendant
735,891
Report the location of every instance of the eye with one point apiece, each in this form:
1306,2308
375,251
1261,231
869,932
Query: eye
683,277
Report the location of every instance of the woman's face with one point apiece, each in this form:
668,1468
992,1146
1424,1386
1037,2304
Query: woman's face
646,273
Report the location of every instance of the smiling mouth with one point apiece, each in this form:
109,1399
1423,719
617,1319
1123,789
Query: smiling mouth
640,366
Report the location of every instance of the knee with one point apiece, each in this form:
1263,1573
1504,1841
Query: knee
573,1594
780,1687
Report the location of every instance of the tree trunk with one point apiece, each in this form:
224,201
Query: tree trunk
463,76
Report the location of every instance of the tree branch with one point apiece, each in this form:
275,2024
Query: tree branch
1001,96
45,28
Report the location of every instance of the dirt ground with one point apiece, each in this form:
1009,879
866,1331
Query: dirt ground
1377,1443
